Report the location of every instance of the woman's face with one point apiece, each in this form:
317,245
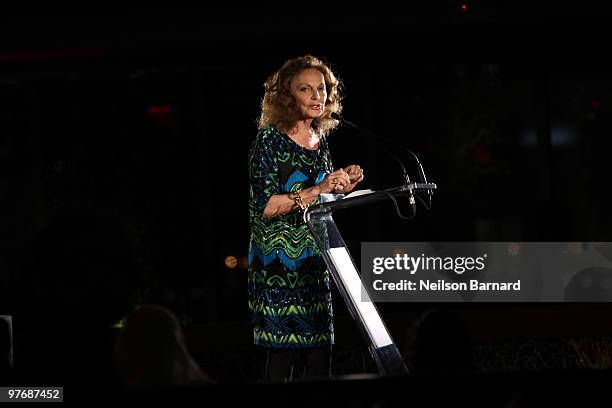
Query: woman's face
308,89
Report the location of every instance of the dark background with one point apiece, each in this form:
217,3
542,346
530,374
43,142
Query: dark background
139,120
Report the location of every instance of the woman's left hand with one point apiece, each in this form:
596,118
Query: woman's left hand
355,173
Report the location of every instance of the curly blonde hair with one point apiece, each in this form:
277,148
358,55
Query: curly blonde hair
278,104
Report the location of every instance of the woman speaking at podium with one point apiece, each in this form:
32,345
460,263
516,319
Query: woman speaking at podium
289,167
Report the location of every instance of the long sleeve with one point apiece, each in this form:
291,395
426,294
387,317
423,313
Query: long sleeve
263,172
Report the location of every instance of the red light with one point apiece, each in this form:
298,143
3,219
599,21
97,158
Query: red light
159,110
482,155
244,262
463,7
595,104
160,115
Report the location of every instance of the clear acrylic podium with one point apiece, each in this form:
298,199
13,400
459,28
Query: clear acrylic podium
344,272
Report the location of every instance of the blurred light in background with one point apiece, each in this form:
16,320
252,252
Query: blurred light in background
231,261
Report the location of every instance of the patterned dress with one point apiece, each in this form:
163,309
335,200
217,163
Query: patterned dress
288,283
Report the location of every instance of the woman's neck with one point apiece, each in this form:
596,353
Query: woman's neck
304,135
301,127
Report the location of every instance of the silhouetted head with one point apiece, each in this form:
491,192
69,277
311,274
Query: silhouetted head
150,350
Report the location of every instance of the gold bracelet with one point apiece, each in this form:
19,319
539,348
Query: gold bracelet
298,199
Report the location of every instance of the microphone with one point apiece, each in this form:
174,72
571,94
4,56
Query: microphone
375,139
422,175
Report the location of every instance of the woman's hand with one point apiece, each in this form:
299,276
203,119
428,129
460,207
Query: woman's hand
355,173
338,181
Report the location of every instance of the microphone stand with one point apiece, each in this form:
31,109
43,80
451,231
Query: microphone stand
376,139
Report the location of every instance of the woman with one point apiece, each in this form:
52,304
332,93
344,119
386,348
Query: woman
289,167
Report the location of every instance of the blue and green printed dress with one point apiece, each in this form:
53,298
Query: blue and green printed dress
289,285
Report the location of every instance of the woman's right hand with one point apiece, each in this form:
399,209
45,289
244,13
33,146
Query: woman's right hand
337,181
